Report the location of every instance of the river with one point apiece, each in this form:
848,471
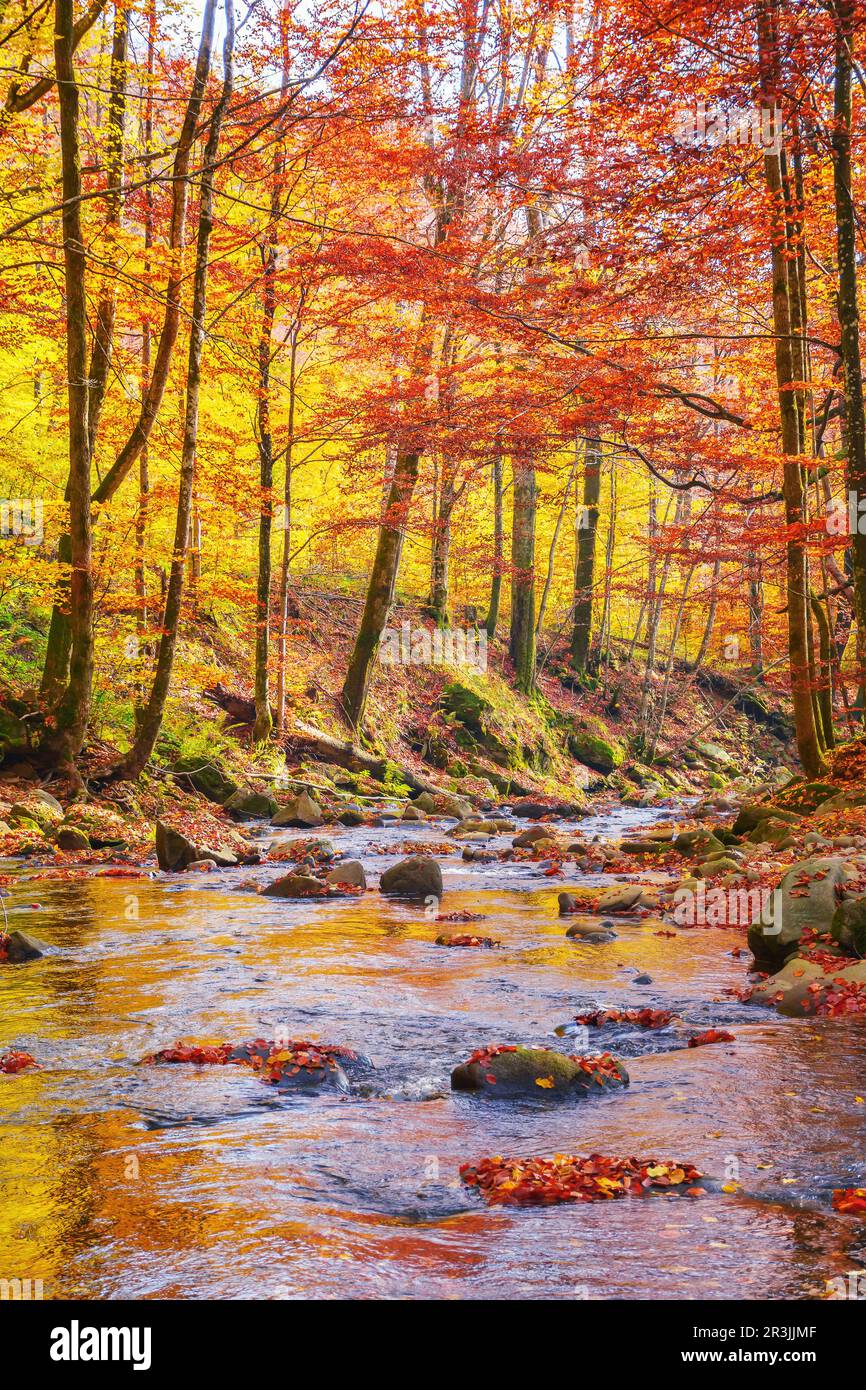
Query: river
126,1181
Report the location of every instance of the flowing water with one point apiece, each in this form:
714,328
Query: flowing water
123,1181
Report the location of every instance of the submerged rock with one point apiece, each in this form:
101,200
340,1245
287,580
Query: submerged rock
511,1072
416,877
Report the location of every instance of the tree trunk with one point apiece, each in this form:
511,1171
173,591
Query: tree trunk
784,323
711,619
586,528
498,547
521,646
441,559
133,764
381,588
825,672
73,710
554,542
57,654
103,333
848,308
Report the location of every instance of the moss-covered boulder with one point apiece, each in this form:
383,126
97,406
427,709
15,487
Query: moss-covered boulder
486,716
510,1073
34,811
590,742
806,897
248,804
205,777
848,927
693,844
104,828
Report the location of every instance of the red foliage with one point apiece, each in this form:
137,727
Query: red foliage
852,1199
4,947
644,1018
12,1062
274,1061
461,917
489,942
712,1035
570,1178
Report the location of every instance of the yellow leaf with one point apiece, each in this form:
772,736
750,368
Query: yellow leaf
546,1081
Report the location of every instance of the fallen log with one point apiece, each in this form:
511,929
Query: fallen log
305,741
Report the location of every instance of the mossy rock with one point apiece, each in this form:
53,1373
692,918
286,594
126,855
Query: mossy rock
694,843
247,804
592,747
806,796
534,1071
488,716
35,812
848,927
207,778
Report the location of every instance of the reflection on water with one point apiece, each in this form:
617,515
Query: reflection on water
123,1181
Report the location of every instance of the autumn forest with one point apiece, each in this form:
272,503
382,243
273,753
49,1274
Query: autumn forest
433,492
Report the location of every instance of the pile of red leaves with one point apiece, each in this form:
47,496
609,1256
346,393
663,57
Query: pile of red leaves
838,997
488,942
644,1018
275,1061
569,1178
852,1199
217,1055
712,1035
4,947
461,917
12,1062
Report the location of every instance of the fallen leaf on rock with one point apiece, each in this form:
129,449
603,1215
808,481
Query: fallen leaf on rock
712,1035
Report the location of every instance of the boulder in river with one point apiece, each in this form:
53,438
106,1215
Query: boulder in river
848,927
806,897
21,947
621,899
351,871
806,987
295,886
509,1073
247,804
527,838
174,851
416,877
594,930
302,812
70,838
